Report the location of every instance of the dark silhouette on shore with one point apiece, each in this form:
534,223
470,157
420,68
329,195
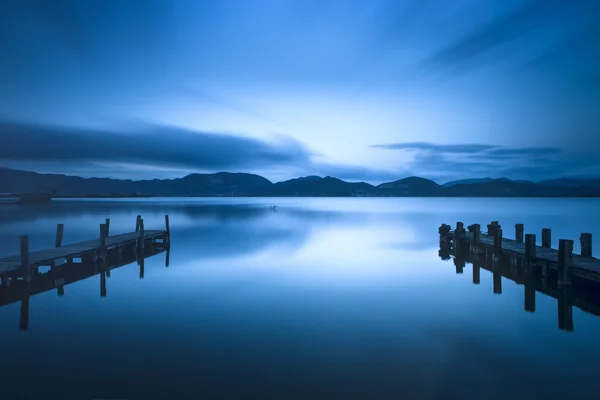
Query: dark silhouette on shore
244,184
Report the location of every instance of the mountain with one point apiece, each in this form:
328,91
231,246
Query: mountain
317,186
466,181
508,188
412,186
222,183
568,182
243,184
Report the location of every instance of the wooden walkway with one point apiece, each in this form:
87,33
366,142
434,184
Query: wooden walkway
561,264
27,263
586,299
59,277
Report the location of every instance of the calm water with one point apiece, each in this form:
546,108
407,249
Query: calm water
320,299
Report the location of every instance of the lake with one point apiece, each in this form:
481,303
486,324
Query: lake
321,298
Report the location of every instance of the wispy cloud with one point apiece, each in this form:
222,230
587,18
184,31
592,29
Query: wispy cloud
446,148
149,144
447,162
152,150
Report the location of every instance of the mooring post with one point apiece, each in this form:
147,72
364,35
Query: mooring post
565,309
498,244
530,246
167,239
476,229
443,231
529,298
497,277
459,233
141,238
519,229
103,284
546,238
459,263
24,315
476,274
137,223
59,235
167,256
102,249
586,244
24,247
565,261
141,263
107,223
530,251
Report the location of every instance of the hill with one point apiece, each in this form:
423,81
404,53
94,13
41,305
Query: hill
244,184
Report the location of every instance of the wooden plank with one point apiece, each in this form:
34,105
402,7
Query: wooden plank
583,266
12,263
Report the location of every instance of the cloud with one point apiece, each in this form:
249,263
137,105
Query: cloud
449,162
155,145
160,151
446,148
483,45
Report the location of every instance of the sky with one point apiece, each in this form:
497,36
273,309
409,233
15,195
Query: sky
362,90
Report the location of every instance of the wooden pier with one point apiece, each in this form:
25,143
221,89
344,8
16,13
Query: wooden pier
586,298
26,264
559,264
73,263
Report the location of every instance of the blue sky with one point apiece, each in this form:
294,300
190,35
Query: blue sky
362,90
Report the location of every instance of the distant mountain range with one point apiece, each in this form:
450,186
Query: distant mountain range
242,184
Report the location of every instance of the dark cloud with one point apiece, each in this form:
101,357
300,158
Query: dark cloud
158,151
448,162
446,148
154,145
482,46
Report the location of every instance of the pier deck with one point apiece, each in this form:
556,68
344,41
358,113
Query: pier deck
561,263
75,250
27,263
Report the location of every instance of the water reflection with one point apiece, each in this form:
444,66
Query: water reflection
585,298
14,290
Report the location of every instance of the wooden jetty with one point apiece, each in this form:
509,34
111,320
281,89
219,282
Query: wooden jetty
585,298
26,264
560,264
115,252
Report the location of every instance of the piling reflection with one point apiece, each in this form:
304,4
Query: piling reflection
586,298
57,277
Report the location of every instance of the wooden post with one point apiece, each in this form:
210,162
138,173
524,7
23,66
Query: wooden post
565,309
546,238
24,316
107,223
137,223
476,228
141,262
530,251
459,233
476,274
498,244
59,235
529,298
141,238
103,284
586,244
497,277
459,263
167,256
565,261
102,249
167,239
529,246
519,228
25,270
